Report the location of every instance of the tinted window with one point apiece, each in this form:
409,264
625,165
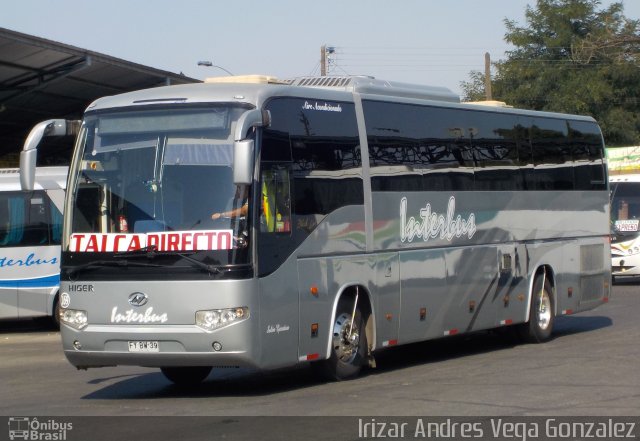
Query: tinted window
28,219
551,154
314,145
322,149
423,148
587,151
496,150
55,150
417,148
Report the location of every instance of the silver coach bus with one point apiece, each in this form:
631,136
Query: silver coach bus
261,223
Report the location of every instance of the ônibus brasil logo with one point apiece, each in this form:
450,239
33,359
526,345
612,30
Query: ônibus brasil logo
32,429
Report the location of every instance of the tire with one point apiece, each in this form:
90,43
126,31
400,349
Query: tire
56,312
539,327
188,376
348,347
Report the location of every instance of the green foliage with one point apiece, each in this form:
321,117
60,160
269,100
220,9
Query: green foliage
474,89
572,57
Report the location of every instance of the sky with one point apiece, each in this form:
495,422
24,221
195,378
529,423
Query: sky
432,42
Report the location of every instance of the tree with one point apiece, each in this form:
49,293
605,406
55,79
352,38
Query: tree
572,58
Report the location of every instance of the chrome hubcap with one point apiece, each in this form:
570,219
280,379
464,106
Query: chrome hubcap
543,310
345,339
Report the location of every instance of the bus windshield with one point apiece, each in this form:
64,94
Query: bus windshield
625,208
161,181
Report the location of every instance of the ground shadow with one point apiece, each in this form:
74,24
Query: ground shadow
16,326
629,281
569,325
228,382
245,382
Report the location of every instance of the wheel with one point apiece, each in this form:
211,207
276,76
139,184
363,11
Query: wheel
541,315
56,312
348,344
186,376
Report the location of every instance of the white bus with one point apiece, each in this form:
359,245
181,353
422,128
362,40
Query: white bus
625,226
31,204
263,224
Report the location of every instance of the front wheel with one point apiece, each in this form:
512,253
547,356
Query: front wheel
541,315
56,312
186,376
348,344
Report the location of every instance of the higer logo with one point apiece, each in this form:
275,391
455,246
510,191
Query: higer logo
138,299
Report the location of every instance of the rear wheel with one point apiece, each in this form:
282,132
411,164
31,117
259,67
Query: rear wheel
348,344
541,315
186,376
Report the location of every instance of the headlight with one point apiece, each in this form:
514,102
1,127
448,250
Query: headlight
74,317
212,319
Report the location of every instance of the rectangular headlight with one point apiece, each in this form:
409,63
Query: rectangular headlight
74,317
213,319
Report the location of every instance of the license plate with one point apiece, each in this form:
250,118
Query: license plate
144,346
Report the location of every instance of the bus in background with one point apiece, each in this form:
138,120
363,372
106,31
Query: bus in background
625,226
31,204
262,223
624,181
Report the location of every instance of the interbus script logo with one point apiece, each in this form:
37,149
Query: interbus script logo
130,316
431,225
29,260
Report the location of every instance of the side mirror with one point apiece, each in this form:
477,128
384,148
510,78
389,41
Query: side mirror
243,162
243,148
29,153
28,169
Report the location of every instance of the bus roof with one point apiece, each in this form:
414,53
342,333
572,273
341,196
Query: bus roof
254,90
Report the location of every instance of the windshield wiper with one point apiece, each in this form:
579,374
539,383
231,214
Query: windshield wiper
198,264
107,263
151,253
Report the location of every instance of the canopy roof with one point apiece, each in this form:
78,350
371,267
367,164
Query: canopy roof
41,79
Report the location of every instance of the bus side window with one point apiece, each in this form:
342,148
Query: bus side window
12,215
276,201
37,226
25,219
56,224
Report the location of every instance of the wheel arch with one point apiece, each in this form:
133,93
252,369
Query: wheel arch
365,301
52,301
545,269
